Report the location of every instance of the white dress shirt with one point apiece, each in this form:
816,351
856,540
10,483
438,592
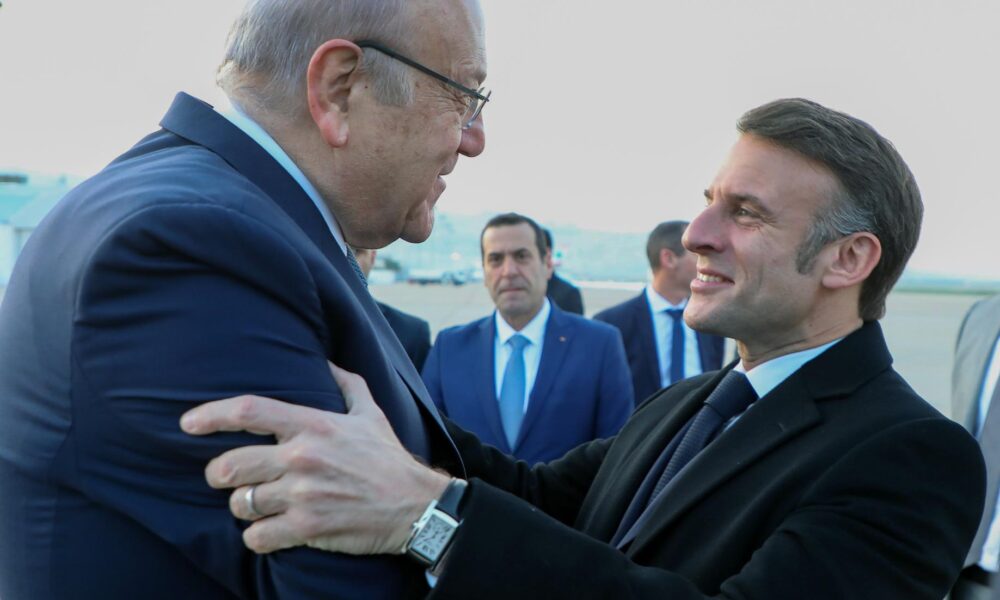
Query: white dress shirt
769,375
990,560
534,331
234,115
663,328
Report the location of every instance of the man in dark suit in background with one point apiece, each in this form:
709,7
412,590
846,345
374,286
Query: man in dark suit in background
975,398
211,259
413,332
810,469
564,294
529,379
661,348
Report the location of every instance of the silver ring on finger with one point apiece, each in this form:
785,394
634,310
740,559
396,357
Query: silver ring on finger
251,507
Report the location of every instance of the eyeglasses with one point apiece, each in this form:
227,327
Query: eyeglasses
476,99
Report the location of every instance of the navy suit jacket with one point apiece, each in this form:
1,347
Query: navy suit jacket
192,268
413,332
634,320
582,390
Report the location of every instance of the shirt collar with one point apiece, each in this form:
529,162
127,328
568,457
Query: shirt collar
237,117
658,303
769,375
534,330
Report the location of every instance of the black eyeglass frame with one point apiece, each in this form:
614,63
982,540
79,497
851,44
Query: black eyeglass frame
477,94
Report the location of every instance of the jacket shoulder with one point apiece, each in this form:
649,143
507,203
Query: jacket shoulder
984,312
462,334
620,313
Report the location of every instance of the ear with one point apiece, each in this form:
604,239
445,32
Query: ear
332,72
549,267
853,259
667,258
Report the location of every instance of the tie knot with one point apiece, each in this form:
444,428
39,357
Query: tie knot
518,342
675,313
732,396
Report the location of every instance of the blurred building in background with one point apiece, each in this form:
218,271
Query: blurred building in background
25,198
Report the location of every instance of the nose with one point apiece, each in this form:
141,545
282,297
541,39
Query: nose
509,267
703,234
473,139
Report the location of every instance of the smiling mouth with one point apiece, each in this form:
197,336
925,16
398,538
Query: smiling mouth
710,278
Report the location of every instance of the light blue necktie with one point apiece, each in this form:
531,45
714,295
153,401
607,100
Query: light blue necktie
676,345
512,390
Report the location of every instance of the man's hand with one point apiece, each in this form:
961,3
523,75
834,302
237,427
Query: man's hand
338,482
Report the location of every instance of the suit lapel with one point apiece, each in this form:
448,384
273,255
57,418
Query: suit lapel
485,380
645,330
195,120
773,420
666,418
554,350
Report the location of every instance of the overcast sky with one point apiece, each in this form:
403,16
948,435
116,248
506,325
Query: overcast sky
609,116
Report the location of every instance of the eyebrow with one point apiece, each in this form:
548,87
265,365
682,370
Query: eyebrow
508,252
750,199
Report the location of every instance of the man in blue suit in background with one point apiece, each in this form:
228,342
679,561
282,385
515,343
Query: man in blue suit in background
661,348
210,260
530,379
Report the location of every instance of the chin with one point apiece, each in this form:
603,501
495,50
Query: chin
418,228
701,320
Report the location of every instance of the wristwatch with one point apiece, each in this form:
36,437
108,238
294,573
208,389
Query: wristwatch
434,530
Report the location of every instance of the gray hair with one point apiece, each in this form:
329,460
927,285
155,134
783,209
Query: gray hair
839,219
272,41
877,192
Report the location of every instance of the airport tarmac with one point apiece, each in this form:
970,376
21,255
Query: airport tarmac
920,327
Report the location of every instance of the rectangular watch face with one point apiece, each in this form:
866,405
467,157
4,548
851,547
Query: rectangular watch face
434,537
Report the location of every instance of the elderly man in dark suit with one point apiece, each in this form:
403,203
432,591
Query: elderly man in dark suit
807,469
211,259
661,348
975,398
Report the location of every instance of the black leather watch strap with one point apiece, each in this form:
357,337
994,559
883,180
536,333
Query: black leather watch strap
450,501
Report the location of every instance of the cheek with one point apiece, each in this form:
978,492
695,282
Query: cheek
491,279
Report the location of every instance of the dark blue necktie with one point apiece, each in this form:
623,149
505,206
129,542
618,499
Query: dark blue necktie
731,397
676,345
357,268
